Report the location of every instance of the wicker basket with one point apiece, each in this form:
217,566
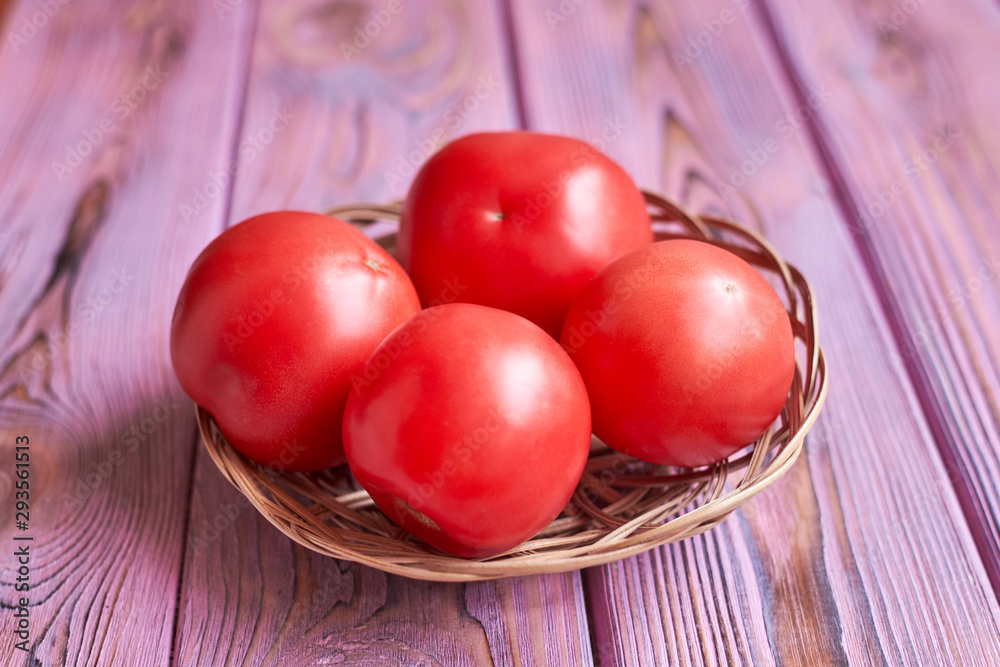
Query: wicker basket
621,507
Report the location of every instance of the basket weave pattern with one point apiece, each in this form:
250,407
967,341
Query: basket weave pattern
621,506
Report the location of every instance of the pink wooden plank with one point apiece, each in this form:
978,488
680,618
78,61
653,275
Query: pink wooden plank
102,101
911,132
862,554
249,596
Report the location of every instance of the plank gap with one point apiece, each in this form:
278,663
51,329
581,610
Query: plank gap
196,436
234,148
514,63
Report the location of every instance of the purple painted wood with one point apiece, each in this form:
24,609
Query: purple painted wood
102,101
355,122
914,154
862,554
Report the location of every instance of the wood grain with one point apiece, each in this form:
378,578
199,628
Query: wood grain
916,159
92,259
862,554
356,127
186,117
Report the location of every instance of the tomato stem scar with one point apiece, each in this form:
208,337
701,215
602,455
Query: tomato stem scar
372,264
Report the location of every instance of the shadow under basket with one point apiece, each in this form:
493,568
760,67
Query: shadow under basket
621,506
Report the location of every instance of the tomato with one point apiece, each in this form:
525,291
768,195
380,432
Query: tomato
274,317
469,426
518,221
686,351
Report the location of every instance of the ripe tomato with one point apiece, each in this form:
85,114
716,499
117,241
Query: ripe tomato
273,318
686,350
469,427
518,221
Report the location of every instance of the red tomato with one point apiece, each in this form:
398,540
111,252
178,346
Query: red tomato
274,317
469,427
518,221
686,350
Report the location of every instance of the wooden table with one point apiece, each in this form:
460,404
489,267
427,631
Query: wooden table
860,137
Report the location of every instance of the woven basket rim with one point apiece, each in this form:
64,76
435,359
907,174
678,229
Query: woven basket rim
328,513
